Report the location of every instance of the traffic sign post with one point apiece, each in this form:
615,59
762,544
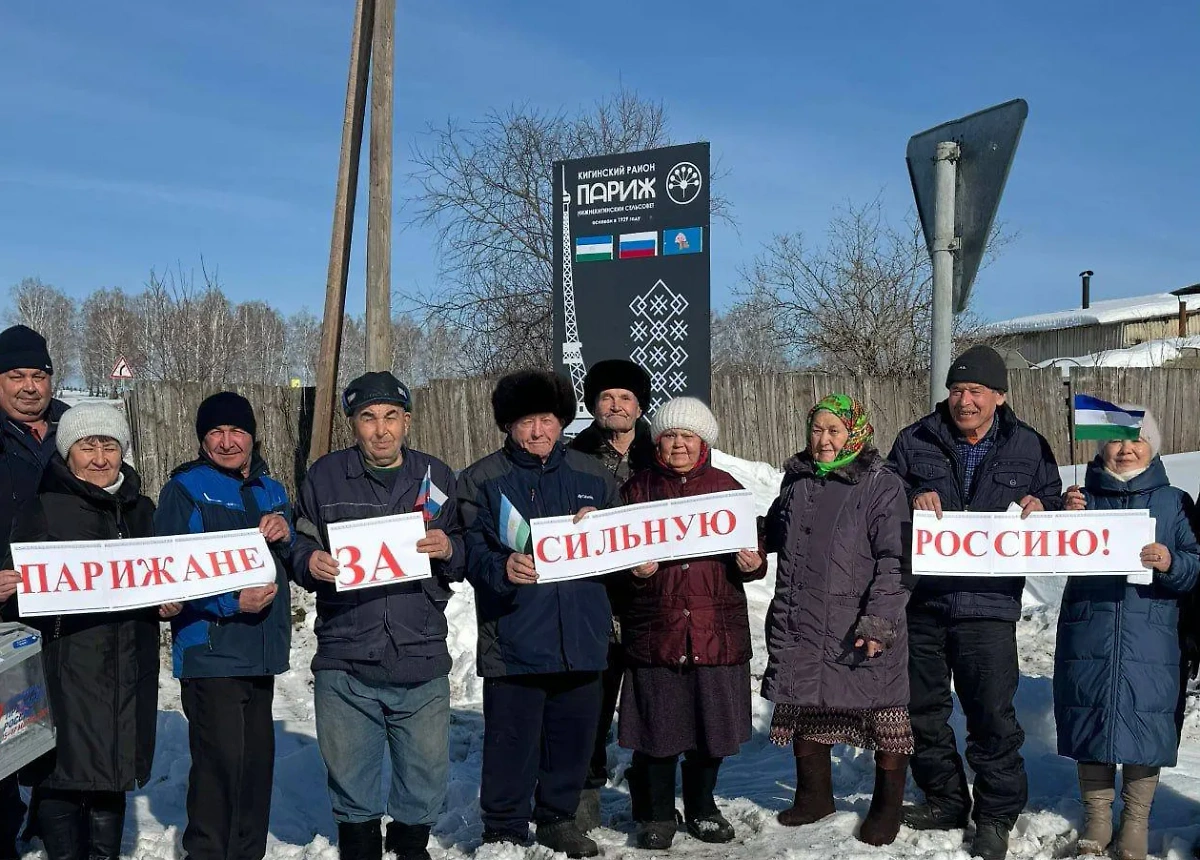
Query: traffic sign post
958,171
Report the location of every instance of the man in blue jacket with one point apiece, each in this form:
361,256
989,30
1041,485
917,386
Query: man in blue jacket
542,647
29,415
971,454
228,648
381,667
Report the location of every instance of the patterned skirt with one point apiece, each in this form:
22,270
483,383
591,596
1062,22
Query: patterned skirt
884,729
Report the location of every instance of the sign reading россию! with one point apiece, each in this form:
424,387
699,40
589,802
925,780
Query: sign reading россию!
1074,543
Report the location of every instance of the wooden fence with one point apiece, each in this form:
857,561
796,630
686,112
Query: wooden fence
761,416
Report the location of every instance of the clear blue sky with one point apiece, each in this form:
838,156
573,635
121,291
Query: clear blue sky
142,134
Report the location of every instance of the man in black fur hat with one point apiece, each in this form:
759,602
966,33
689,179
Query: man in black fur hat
617,393
541,647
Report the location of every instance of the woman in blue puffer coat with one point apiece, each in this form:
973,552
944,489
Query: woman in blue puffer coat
1117,677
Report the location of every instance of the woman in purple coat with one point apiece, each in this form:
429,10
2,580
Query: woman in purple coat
837,667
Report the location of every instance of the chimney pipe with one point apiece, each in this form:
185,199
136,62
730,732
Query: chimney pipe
1183,317
1087,288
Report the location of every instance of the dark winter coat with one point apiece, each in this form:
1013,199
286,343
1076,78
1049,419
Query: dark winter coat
213,638
402,620
1117,661
101,668
639,456
691,611
1020,464
23,459
541,628
840,541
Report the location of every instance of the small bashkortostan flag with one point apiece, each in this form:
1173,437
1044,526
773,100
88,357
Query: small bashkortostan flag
514,530
1099,420
591,248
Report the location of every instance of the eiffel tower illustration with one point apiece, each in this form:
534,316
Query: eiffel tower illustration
572,347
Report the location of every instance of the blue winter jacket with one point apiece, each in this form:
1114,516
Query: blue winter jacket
406,619
540,628
1116,666
212,637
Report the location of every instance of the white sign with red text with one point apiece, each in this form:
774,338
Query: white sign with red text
379,551
1071,543
621,538
71,577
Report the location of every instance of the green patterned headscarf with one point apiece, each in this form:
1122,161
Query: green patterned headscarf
854,416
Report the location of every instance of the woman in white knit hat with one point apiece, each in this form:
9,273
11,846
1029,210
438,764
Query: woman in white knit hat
1117,672
102,667
686,635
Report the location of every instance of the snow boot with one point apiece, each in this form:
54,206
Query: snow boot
62,826
704,820
360,840
587,815
1097,783
882,823
652,800
505,837
1138,784
106,820
934,815
563,835
814,785
991,840
407,841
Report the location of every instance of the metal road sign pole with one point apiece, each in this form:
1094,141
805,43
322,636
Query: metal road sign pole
945,244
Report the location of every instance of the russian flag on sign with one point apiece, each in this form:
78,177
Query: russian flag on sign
635,245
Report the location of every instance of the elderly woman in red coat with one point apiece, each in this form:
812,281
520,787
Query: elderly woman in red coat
686,636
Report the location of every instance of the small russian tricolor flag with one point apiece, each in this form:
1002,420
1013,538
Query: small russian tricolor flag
430,498
635,245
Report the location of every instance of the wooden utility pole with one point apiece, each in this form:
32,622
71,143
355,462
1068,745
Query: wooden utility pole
379,212
343,226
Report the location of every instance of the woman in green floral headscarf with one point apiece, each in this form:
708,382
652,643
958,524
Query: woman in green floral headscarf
837,645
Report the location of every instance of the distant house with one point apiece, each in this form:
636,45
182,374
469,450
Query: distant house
1101,326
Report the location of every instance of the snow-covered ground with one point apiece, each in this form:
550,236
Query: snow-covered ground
753,786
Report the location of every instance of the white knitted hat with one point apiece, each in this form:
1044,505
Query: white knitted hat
685,413
91,419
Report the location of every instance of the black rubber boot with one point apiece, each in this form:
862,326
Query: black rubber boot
991,840
407,841
704,820
106,823
62,825
932,815
563,835
362,840
814,785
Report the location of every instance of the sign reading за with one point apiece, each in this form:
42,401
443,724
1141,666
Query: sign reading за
379,551
624,537
1074,543
71,577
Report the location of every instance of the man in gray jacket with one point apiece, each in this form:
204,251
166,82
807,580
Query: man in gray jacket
381,667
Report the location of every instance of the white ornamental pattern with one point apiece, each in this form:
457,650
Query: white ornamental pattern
659,332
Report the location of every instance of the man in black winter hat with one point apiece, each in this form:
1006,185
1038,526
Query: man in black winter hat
973,454
380,674
617,393
541,647
28,417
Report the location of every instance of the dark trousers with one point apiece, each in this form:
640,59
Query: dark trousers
12,816
538,732
610,681
980,656
232,741
652,786
78,825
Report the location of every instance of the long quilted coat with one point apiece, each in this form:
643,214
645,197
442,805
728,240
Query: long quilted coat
1117,665
840,540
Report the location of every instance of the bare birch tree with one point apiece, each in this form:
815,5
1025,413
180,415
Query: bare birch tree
51,313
